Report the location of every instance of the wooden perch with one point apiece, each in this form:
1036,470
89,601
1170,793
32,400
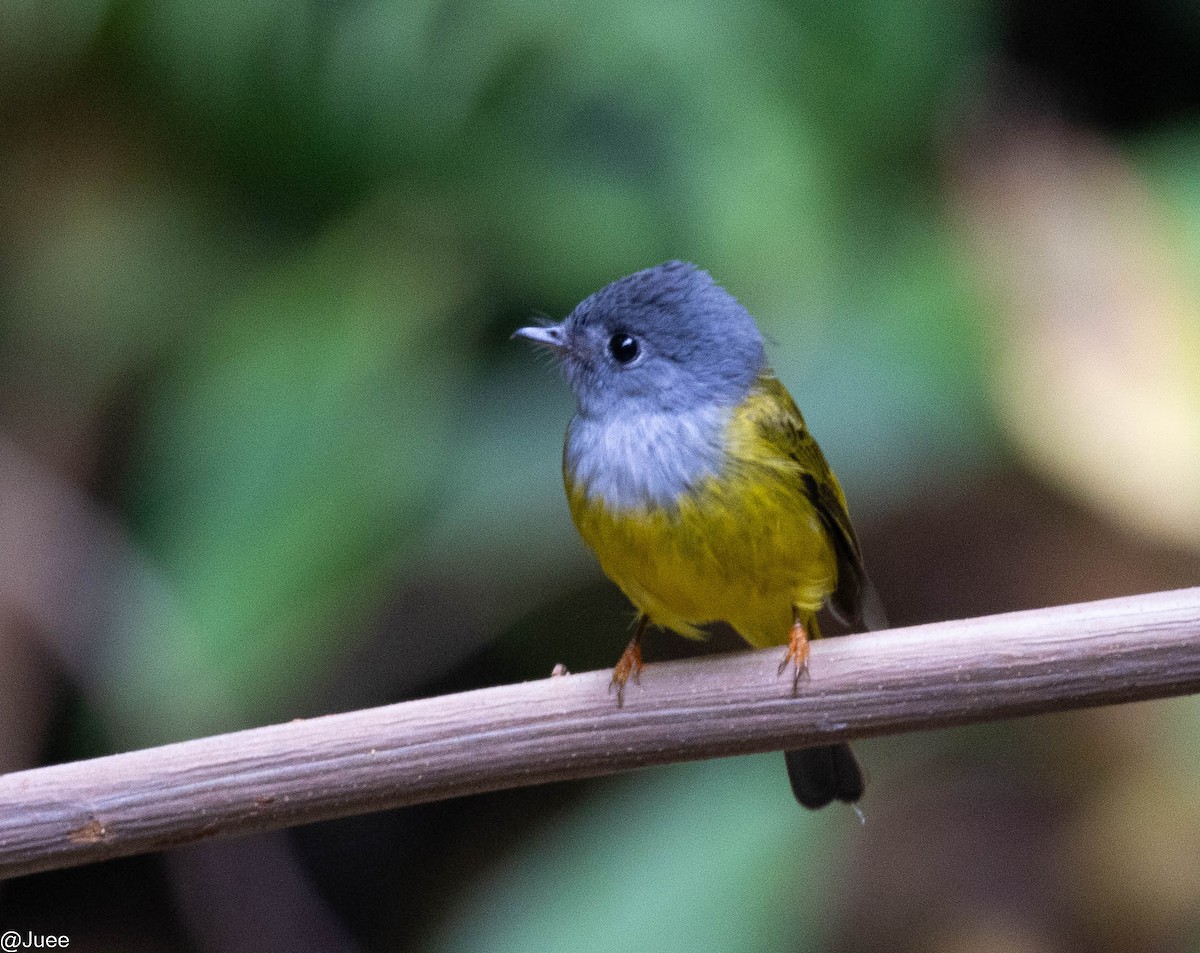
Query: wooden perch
918,678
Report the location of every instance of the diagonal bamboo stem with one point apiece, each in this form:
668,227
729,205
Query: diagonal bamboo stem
912,679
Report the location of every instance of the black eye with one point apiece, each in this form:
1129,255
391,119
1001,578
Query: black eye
623,348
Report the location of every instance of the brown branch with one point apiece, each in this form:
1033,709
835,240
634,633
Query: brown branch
911,679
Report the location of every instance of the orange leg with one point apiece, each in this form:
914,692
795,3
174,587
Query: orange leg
797,651
630,662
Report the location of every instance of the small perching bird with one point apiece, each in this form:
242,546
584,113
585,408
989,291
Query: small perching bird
692,475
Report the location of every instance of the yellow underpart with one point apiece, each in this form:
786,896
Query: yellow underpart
743,547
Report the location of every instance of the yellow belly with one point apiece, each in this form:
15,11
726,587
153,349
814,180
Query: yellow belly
743,548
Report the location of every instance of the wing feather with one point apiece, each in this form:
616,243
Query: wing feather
779,422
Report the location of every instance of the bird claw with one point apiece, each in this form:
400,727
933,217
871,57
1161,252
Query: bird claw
628,665
796,655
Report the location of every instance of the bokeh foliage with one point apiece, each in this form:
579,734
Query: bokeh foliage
261,263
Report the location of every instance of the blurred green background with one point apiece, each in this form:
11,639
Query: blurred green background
266,450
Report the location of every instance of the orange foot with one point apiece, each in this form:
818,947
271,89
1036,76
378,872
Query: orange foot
630,663
796,654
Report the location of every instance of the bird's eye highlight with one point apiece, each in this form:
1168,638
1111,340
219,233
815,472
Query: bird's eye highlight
623,348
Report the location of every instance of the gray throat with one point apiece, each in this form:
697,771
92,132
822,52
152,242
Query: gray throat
633,462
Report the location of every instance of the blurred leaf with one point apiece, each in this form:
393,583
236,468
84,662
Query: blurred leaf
1168,159
220,54
889,368
287,461
40,41
681,144
111,259
713,856
880,77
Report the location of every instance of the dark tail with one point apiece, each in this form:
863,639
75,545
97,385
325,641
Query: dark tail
820,776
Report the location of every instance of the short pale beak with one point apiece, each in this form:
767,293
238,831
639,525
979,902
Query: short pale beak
551,337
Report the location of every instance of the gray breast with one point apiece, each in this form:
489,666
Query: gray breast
631,462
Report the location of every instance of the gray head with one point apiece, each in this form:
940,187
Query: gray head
664,340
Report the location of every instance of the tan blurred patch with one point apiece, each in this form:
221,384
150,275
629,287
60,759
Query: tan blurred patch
984,934
1097,346
1134,851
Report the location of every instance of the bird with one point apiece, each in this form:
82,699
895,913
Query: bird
693,477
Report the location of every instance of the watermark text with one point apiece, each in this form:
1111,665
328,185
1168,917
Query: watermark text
13,940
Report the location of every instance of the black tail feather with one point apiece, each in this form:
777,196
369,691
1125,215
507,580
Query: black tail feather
820,776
